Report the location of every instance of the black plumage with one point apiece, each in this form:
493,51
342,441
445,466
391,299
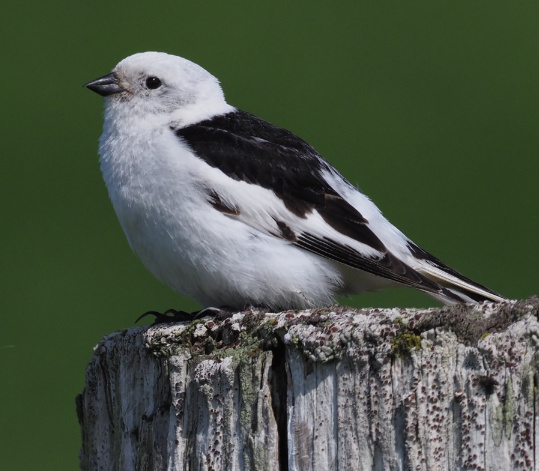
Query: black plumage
247,148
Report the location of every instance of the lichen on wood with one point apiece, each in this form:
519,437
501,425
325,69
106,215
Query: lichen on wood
334,388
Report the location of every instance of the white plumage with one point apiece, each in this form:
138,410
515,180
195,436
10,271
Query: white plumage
231,210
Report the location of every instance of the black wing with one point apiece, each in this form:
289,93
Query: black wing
247,148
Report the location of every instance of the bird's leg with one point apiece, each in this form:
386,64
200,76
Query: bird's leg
172,315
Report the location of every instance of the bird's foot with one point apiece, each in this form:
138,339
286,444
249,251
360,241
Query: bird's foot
172,315
218,313
169,316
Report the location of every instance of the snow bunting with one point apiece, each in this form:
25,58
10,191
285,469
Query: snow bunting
231,210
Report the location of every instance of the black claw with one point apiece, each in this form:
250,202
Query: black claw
169,316
172,315
219,313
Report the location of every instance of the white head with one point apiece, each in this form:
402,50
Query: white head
155,83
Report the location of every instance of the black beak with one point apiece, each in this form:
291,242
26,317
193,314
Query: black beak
105,86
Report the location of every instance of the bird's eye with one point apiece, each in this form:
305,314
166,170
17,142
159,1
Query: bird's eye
153,82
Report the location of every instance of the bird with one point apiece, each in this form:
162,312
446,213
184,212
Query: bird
231,210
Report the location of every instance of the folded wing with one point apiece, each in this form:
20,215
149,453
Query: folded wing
279,185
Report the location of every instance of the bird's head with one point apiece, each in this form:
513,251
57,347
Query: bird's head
155,83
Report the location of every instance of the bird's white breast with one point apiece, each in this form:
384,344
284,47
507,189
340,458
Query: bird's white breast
158,188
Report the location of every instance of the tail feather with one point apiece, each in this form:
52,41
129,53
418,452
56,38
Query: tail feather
455,286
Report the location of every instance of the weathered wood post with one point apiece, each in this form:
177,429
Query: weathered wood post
329,389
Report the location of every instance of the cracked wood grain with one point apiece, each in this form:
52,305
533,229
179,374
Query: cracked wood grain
335,388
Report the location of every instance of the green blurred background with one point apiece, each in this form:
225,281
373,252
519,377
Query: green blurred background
430,107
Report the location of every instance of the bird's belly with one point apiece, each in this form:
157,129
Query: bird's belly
218,260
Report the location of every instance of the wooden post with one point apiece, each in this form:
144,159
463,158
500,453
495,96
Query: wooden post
450,388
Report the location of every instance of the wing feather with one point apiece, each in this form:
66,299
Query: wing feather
314,216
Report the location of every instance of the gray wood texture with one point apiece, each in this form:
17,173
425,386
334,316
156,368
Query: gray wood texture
451,388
